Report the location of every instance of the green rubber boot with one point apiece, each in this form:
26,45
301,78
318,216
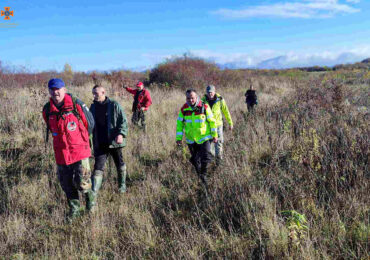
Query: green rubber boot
91,196
74,210
97,181
90,199
122,173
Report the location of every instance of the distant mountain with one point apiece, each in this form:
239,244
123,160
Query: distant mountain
235,65
297,61
366,61
279,62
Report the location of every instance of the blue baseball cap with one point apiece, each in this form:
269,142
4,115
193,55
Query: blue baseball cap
56,83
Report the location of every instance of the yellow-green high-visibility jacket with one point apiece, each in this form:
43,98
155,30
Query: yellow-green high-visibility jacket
218,108
198,123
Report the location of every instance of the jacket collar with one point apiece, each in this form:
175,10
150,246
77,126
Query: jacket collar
106,101
216,95
198,103
67,104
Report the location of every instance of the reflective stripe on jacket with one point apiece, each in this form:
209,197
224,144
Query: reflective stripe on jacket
70,134
218,108
198,123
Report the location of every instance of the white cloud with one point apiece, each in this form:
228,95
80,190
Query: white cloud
305,9
275,59
278,59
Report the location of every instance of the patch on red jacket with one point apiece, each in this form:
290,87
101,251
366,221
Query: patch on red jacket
72,126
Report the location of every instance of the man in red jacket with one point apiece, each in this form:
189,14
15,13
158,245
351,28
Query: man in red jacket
70,121
142,101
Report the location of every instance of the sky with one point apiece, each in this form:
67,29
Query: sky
137,35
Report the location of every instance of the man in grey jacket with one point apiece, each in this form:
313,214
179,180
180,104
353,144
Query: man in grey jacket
109,138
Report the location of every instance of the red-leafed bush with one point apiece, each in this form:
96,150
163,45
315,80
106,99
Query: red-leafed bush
185,72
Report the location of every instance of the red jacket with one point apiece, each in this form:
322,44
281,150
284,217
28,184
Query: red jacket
70,134
144,99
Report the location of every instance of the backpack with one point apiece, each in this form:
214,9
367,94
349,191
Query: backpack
89,119
251,97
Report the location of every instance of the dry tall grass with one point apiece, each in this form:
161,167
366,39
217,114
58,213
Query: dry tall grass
305,151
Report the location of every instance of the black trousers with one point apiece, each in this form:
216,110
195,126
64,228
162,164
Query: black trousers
201,156
250,107
101,155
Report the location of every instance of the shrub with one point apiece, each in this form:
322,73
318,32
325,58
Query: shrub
185,72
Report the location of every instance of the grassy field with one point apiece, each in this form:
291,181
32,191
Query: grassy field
295,183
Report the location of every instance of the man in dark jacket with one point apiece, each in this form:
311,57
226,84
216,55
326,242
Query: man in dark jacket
109,138
142,101
251,98
70,121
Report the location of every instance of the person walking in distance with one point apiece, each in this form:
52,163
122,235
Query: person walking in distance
109,137
251,98
70,122
197,121
218,105
142,102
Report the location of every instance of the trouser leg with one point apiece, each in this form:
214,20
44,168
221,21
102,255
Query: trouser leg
200,157
97,175
117,156
101,157
82,176
219,145
65,176
205,158
135,117
73,178
142,118
195,158
82,181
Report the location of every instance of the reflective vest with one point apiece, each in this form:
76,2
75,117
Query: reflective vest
70,132
218,108
198,123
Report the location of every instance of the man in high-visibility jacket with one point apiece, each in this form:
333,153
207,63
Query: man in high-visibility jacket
196,119
219,107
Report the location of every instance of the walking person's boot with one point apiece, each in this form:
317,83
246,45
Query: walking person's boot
74,210
203,178
218,161
90,200
122,173
92,195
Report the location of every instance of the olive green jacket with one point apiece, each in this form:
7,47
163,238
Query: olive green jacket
116,123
